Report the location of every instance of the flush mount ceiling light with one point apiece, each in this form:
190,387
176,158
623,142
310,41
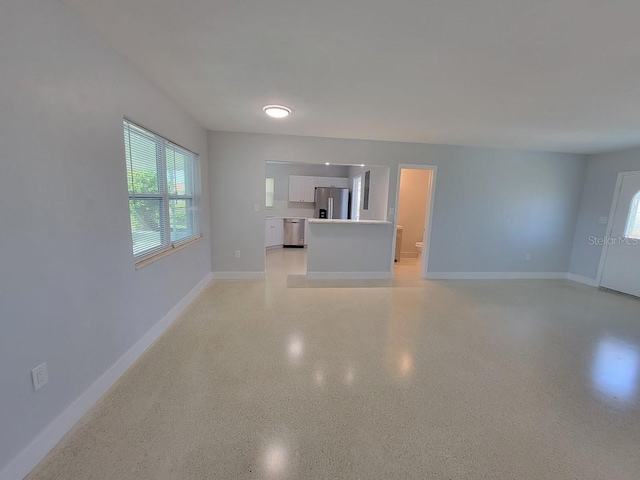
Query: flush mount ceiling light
276,111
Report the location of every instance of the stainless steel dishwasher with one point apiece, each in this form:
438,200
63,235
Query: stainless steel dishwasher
294,232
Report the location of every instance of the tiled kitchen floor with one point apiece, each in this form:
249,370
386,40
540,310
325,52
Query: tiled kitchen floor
530,379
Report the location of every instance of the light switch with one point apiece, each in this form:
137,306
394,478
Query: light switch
256,207
604,220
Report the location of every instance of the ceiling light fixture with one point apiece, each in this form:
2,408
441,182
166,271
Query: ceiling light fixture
276,111
327,163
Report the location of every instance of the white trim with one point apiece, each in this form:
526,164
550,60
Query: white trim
584,280
426,239
29,458
496,275
612,214
237,276
349,275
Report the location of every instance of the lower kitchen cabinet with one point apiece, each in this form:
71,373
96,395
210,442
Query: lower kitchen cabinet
273,232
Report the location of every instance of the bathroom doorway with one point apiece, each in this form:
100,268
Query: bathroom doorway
414,200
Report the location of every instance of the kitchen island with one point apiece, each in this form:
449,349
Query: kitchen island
349,249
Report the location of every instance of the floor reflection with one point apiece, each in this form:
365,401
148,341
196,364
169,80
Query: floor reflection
295,349
276,458
615,369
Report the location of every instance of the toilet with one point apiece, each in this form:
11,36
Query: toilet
419,247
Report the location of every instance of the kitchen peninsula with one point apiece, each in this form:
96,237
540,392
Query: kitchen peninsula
349,249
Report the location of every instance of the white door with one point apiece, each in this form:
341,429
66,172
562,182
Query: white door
622,262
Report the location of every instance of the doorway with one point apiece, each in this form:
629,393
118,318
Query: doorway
621,247
414,200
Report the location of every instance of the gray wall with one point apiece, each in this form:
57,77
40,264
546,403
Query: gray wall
352,248
492,206
69,293
597,196
280,173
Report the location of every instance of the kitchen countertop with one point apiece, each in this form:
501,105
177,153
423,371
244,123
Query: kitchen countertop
293,217
347,222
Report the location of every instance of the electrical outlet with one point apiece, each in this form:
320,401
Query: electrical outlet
40,376
237,253
604,220
256,207
528,257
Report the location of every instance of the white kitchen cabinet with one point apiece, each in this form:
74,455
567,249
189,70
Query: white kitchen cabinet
309,189
339,182
336,182
323,181
302,188
295,188
273,232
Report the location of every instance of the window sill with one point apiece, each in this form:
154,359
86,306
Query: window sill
165,253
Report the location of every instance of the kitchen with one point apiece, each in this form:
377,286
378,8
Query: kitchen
334,212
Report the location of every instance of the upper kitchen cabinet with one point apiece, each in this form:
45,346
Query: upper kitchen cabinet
309,189
336,182
302,188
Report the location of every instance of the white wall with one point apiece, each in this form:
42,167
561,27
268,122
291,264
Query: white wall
69,293
491,207
378,191
597,196
412,207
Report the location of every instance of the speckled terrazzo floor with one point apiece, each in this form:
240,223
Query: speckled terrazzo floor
415,380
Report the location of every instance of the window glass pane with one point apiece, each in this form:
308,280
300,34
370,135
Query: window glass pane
270,189
179,171
633,225
146,224
182,215
142,161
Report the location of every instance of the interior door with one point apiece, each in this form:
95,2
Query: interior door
622,262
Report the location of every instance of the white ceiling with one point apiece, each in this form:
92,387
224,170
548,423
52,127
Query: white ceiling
560,75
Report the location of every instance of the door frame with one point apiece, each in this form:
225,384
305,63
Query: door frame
612,213
426,239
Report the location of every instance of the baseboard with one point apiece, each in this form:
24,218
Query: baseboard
349,275
495,275
584,280
237,276
29,458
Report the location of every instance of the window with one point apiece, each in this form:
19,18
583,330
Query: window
270,189
162,179
633,224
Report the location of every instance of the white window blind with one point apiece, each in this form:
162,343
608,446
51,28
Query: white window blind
163,179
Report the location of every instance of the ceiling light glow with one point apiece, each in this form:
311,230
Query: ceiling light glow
276,111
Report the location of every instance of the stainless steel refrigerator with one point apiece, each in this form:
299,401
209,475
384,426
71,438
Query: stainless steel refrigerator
332,203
